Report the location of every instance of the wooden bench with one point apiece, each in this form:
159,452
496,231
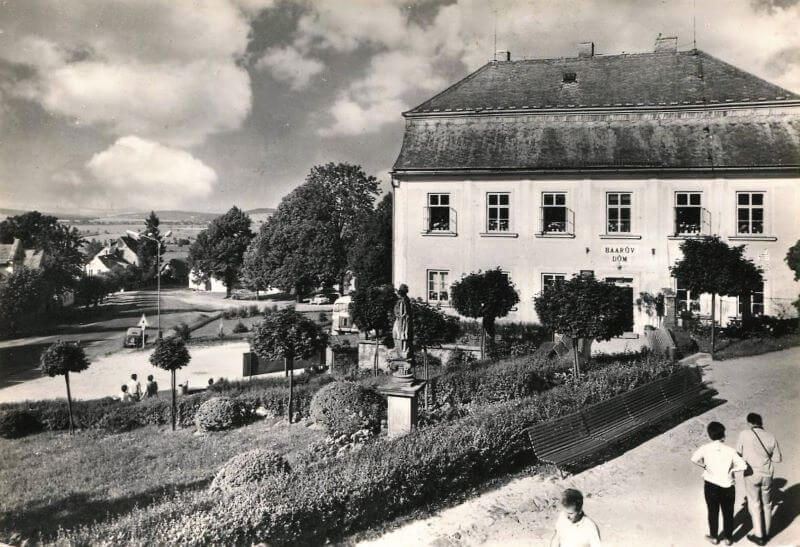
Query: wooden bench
570,439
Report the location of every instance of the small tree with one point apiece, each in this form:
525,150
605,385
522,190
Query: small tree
793,260
288,335
583,309
485,296
61,358
709,265
372,310
170,354
431,328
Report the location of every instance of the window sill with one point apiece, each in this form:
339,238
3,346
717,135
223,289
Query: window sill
439,234
746,237
541,235
498,234
619,236
684,236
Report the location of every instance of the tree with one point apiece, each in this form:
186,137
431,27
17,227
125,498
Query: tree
431,328
219,250
307,242
146,251
91,290
90,250
288,335
485,296
583,309
709,265
371,254
32,229
793,260
170,354
61,358
372,310
22,294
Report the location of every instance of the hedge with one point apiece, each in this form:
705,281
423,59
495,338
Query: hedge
379,482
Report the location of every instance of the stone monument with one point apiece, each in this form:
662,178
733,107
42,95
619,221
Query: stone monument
401,392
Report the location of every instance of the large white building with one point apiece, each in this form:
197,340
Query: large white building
550,167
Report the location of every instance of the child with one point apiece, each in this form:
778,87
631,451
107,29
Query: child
124,396
151,389
719,462
573,527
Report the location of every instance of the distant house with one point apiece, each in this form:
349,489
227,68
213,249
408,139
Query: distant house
117,256
13,257
213,284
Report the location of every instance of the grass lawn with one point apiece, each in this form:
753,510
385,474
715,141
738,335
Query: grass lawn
52,480
732,348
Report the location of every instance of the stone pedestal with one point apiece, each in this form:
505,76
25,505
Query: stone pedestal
402,407
670,311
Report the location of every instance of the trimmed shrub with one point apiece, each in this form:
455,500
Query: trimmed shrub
220,413
17,423
346,407
249,467
240,327
252,310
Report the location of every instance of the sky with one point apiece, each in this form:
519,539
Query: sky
111,105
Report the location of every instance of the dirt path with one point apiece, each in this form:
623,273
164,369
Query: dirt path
652,494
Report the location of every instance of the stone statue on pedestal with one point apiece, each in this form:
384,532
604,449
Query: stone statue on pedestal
403,334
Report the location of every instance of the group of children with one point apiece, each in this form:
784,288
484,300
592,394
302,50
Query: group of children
132,391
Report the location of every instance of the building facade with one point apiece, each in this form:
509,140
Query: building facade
550,168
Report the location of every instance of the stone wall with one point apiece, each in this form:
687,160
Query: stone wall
366,353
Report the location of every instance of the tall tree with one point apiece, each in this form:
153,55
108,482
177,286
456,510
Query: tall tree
307,242
372,310
371,253
60,359
22,295
288,335
485,296
219,250
793,260
149,245
33,229
709,265
583,309
170,354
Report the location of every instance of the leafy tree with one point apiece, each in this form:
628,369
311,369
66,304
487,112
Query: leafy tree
793,260
32,228
170,354
371,254
61,358
583,309
485,296
219,250
372,310
288,335
709,265
307,242
91,290
22,294
431,328
90,249
146,250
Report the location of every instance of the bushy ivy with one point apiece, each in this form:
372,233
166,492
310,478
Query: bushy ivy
346,407
249,467
220,413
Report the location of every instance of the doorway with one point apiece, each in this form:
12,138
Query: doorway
625,283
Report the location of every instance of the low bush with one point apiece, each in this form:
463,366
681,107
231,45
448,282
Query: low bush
761,326
249,467
252,310
17,423
240,327
242,312
220,413
183,331
346,407
229,313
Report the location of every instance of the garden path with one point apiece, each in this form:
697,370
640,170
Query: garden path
651,494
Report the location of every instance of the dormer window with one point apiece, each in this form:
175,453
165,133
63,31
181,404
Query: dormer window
570,77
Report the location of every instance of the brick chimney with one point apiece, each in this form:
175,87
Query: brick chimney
586,49
502,55
666,44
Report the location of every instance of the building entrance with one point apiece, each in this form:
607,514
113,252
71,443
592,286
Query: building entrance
627,284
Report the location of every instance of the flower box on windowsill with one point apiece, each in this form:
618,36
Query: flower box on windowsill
554,235
752,237
684,236
499,234
620,236
439,233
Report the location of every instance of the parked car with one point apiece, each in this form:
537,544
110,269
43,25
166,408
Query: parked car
243,294
322,298
133,338
341,320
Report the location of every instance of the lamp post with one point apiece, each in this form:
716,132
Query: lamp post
157,241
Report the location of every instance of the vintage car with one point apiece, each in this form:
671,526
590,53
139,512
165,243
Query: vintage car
133,338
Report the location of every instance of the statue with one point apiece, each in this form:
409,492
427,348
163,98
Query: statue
403,335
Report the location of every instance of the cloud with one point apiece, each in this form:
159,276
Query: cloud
135,172
160,69
289,65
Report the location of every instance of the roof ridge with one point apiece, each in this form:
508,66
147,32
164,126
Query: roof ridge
448,88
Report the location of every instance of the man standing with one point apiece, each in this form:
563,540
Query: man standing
135,388
760,450
719,462
573,527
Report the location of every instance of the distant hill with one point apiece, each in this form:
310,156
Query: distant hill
261,211
169,215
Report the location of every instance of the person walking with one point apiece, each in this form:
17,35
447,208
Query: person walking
760,450
573,527
135,388
151,388
719,463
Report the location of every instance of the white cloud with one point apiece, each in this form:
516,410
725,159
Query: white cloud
135,172
289,65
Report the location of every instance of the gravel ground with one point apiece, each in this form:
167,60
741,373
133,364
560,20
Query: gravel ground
651,494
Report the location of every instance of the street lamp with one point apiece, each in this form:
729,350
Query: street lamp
157,241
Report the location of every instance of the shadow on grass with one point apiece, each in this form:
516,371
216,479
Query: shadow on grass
43,519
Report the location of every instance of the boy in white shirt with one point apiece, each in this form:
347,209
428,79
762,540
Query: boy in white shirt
573,527
719,462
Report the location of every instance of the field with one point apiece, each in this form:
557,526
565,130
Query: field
106,232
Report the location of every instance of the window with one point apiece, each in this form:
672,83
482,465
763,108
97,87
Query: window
618,209
756,302
688,212
498,214
685,300
554,212
438,291
550,279
438,213
750,212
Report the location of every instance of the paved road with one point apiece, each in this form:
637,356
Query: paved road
652,494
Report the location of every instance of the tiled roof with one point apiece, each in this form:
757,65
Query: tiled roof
628,80
111,261
131,243
9,252
733,138
33,259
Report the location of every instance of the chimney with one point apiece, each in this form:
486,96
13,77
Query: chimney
502,55
666,44
586,49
